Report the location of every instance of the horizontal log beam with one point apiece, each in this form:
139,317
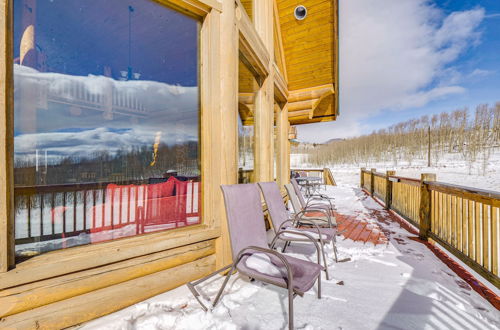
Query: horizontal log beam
310,93
251,46
301,113
23,298
306,120
198,8
95,304
280,85
76,259
301,105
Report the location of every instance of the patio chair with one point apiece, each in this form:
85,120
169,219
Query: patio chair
312,199
248,239
280,218
321,216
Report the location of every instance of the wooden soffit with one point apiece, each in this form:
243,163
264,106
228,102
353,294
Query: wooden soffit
311,58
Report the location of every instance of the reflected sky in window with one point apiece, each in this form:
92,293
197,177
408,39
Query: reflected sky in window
105,78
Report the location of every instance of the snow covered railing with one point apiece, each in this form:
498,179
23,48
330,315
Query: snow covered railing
463,220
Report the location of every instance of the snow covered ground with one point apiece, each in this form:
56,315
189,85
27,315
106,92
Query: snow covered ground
450,168
401,285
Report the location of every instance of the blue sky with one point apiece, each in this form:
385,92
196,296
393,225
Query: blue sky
405,59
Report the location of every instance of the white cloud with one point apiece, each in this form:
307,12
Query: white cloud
481,73
395,54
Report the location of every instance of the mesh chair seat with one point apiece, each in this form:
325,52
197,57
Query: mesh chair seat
305,273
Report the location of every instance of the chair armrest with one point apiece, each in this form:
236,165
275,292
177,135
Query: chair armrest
308,204
312,239
303,212
321,196
269,251
281,224
314,225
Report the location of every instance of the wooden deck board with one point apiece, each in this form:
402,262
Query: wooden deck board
360,230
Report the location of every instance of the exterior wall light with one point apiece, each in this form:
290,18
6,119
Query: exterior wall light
300,12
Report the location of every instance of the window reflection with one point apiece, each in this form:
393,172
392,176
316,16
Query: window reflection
106,132
248,88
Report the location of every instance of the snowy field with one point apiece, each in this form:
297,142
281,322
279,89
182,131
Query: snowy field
451,168
401,285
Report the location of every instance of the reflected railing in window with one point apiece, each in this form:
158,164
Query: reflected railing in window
61,216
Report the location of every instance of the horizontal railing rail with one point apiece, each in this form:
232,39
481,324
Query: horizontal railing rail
463,220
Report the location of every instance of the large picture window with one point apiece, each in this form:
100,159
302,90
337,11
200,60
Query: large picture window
106,121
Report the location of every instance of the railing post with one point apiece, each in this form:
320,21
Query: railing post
388,189
425,205
362,177
372,181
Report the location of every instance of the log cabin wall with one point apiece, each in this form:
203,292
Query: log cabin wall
66,287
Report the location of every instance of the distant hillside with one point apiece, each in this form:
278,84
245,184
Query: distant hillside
471,135
333,140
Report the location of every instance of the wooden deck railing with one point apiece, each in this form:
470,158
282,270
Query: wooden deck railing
463,220
324,173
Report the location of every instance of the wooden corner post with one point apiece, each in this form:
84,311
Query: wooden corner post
6,138
425,204
362,177
372,181
388,189
219,66
264,100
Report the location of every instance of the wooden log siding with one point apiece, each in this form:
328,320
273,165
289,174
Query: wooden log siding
463,220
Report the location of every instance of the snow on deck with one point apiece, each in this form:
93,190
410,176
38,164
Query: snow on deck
397,285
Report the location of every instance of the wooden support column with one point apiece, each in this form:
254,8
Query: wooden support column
288,152
425,205
388,189
282,164
362,178
227,155
372,181
6,138
264,100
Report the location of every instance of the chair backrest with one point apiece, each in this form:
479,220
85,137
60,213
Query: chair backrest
274,201
296,187
293,198
244,216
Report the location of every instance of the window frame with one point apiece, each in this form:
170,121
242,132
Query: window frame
60,262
